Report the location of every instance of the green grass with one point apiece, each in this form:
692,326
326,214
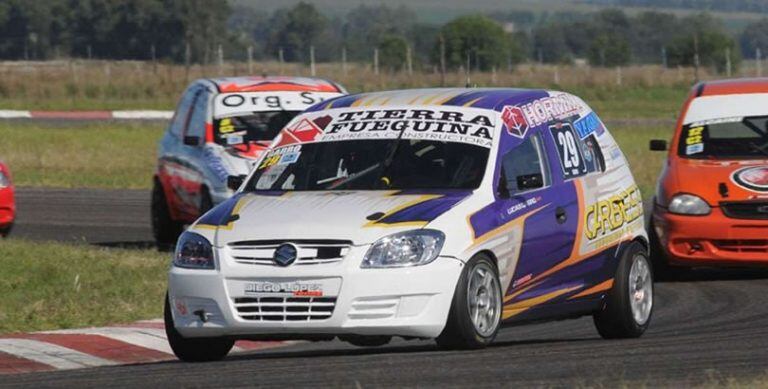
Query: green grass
645,164
100,155
49,286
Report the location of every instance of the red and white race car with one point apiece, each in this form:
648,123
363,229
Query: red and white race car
219,129
7,201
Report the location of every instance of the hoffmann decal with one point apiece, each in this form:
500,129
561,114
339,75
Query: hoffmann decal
518,119
752,178
472,126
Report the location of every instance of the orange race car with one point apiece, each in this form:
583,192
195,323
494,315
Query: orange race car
711,203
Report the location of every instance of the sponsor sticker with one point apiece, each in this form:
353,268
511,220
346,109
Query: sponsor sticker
694,141
605,220
292,288
752,178
587,125
466,125
228,104
515,121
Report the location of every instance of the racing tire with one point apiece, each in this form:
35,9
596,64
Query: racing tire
5,231
628,306
164,229
366,340
475,315
194,349
662,269
206,201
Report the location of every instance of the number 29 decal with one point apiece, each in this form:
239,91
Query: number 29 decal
569,152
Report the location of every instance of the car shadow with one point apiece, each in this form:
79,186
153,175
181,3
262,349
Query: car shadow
394,349
715,274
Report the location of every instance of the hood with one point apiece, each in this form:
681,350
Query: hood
359,216
744,180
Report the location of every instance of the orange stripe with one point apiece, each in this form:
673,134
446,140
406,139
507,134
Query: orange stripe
605,285
522,306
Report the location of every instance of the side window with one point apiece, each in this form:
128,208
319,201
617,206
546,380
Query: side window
179,120
577,156
524,160
196,122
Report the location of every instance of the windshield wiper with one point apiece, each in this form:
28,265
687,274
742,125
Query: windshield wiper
761,149
350,177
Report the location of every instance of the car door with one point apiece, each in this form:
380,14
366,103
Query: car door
549,212
169,170
191,159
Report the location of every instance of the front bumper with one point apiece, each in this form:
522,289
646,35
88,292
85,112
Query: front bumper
411,301
714,239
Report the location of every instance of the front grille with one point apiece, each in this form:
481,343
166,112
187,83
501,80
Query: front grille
311,252
754,210
285,308
742,245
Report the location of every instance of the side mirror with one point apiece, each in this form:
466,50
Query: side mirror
530,181
192,140
234,182
658,145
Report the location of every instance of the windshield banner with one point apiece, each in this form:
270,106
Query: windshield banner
229,104
463,125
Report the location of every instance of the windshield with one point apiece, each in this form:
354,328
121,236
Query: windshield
254,127
727,138
371,165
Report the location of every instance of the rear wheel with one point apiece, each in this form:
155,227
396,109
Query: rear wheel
194,349
628,306
475,315
164,228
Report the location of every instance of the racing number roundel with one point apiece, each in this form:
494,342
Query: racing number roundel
571,158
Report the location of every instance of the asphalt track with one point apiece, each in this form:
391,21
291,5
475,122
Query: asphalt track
707,329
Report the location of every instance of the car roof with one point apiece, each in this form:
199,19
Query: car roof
274,84
731,86
487,98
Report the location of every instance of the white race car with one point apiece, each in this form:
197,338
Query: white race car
437,213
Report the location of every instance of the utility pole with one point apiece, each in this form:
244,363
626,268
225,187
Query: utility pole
408,60
220,55
312,61
250,59
728,62
664,57
344,60
442,61
759,62
696,57
376,61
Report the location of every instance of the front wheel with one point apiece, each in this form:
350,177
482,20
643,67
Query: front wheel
194,349
627,310
164,228
475,315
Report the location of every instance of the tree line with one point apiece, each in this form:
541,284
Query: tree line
199,31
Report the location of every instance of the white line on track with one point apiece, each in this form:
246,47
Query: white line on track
51,354
150,338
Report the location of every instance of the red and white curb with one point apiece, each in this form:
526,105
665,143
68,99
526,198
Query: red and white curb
87,115
139,342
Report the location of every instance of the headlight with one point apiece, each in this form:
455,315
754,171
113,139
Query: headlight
5,181
687,204
410,248
193,251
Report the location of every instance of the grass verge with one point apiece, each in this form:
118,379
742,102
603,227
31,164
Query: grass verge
90,155
49,286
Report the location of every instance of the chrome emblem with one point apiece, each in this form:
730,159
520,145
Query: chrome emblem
285,254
